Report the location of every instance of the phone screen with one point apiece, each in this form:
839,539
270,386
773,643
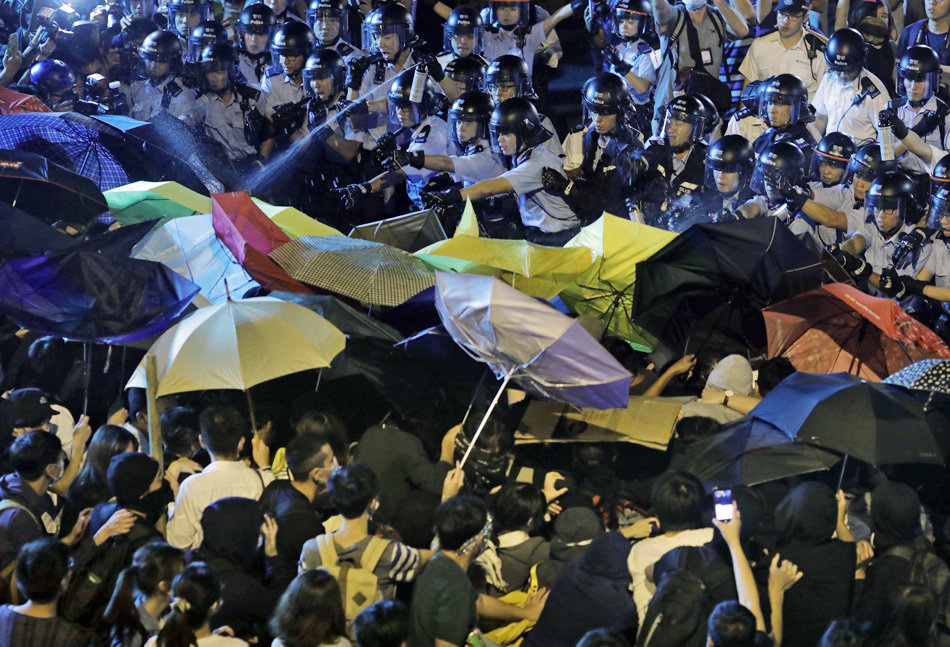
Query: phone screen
723,502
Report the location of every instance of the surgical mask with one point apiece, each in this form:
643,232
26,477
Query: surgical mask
694,5
336,465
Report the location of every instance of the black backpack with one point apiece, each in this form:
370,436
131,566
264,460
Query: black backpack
928,569
677,614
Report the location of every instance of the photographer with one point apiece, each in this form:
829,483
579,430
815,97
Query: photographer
56,83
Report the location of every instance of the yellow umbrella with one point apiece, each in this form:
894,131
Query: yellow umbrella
605,290
141,201
533,269
295,223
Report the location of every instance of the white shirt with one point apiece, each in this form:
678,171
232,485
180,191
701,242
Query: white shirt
767,56
219,480
835,100
647,551
939,263
911,117
750,127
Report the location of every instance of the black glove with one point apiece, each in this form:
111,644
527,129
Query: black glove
256,128
350,194
553,181
355,70
385,146
795,196
316,114
401,157
853,265
907,245
888,117
441,199
430,64
620,66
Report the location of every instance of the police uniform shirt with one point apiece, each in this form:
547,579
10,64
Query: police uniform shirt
767,56
939,263
253,69
224,123
573,148
750,127
375,84
477,163
538,208
858,122
277,89
431,138
146,98
504,42
637,54
936,154
879,252
911,117
344,49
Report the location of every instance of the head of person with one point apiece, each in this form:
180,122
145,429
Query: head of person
51,359
467,73
255,27
54,79
771,373
729,163
873,20
388,29
354,490
224,431
937,9
382,624
329,20
331,427
807,514
310,612
508,14
324,74
732,373
845,54
279,7
463,525
149,576
918,74
940,215
196,594
685,122
161,53
574,530
845,632
41,570
219,67
107,441
232,530
185,15
207,32
677,501
292,43
829,164
138,8
908,617
895,515
37,456
463,32
691,429
890,201
310,460
468,118
490,458
606,102
132,476
790,17
593,465
784,101
731,625
630,19
516,127
865,165
403,111
179,427
779,164
518,506
27,410
508,77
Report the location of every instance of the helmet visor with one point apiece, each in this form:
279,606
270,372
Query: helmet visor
466,129
509,14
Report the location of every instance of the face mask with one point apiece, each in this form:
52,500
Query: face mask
336,465
694,5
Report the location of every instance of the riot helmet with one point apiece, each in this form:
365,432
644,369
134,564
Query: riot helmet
508,77
516,116
324,63
292,39
162,47
404,112
205,33
468,72
780,164
388,30
941,210
919,68
185,15
845,54
52,77
684,123
138,8
329,20
474,108
727,155
606,94
630,19
218,57
255,28
829,164
940,175
783,101
891,191
866,163
464,32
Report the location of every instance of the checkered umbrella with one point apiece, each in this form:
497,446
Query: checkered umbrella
926,375
360,269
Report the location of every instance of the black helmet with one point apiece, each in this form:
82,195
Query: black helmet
834,149
388,18
472,107
505,69
690,109
778,163
464,21
606,94
256,18
292,39
324,63
399,92
522,16
162,47
624,10
845,52
866,163
712,113
138,9
326,11
517,116
200,8
217,57
52,76
785,90
941,206
919,63
892,190
204,34
940,175
730,154
469,71
751,96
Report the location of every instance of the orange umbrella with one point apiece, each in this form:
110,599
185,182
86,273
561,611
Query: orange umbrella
838,328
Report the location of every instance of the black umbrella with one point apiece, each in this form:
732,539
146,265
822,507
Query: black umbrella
705,289
409,233
23,235
118,242
48,191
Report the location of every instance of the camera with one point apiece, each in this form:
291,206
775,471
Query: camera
102,98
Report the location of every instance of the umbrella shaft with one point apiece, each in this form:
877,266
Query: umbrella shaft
481,425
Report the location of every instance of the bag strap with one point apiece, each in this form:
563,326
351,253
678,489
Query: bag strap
328,556
9,504
373,553
673,42
692,37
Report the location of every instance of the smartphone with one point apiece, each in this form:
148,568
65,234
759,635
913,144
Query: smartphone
14,41
723,502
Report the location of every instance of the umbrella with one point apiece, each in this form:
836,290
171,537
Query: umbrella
839,328
13,103
293,222
877,423
237,344
116,242
162,201
349,320
533,269
705,289
86,296
23,235
250,236
47,190
189,246
749,452
605,290
926,375
409,233
360,269
73,146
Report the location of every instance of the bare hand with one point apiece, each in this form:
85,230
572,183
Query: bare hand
12,59
640,529
81,434
46,50
842,502
865,553
119,417
782,576
259,449
534,604
119,523
712,396
730,529
453,482
550,489
269,530
79,528
447,452
684,364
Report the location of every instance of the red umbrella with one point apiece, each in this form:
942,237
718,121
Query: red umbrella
838,328
13,103
251,236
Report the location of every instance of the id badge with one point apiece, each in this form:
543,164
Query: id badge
706,56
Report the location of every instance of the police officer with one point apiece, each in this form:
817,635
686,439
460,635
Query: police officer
517,133
163,89
205,33
779,168
388,36
745,121
849,97
512,28
507,77
630,55
329,20
132,9
729,164
185,15
463,36
255,28
829,164
783,105
282,95
56,82
468,73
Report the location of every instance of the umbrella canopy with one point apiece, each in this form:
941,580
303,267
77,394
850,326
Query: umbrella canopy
189,246
839,328
926,375
545,352
47,190
23,235
13,103
605,290
140,201
360,269
71,145
705,289
86,296
349,320
237,344
293,222
877,423
410,232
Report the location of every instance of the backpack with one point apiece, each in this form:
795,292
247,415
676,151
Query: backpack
677,613
358,584
8,588
927,568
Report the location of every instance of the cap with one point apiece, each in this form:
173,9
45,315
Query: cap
28,408
792,6
130,475
732,373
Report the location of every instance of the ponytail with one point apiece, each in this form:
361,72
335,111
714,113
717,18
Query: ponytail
195,591
120,614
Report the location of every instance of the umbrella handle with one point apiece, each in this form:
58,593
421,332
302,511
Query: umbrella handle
491,407
844,466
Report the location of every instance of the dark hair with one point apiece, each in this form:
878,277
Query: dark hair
731,625
772,372
179,427
331,427
908,617
33,452
383,624
107,442
198,589
40,568
352,488
51,359
602,638
693,428
138,401
677,501
844,632
518,506
304,454
495,436
310,612
222,428
459,519
152,564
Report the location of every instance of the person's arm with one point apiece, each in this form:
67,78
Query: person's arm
841,14
180,531
855,244
346,148
762,9
556,18
684,364
825,215
745,582
487,189
844,532
746,10
737,24
81,434
639,83
442,163
495,609
665,16
740,403
821,122
782,577
442,10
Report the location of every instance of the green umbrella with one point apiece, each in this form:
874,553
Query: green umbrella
141,201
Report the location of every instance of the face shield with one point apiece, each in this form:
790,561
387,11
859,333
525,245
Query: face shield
828,169
385,39
466,129
725,177
406,114
680,129
509,14
463,40
779,110
328,24
184,18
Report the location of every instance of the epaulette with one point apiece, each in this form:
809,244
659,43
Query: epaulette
173,88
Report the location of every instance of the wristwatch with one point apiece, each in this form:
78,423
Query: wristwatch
725,397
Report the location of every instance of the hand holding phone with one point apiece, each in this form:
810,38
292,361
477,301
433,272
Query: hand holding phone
723,505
